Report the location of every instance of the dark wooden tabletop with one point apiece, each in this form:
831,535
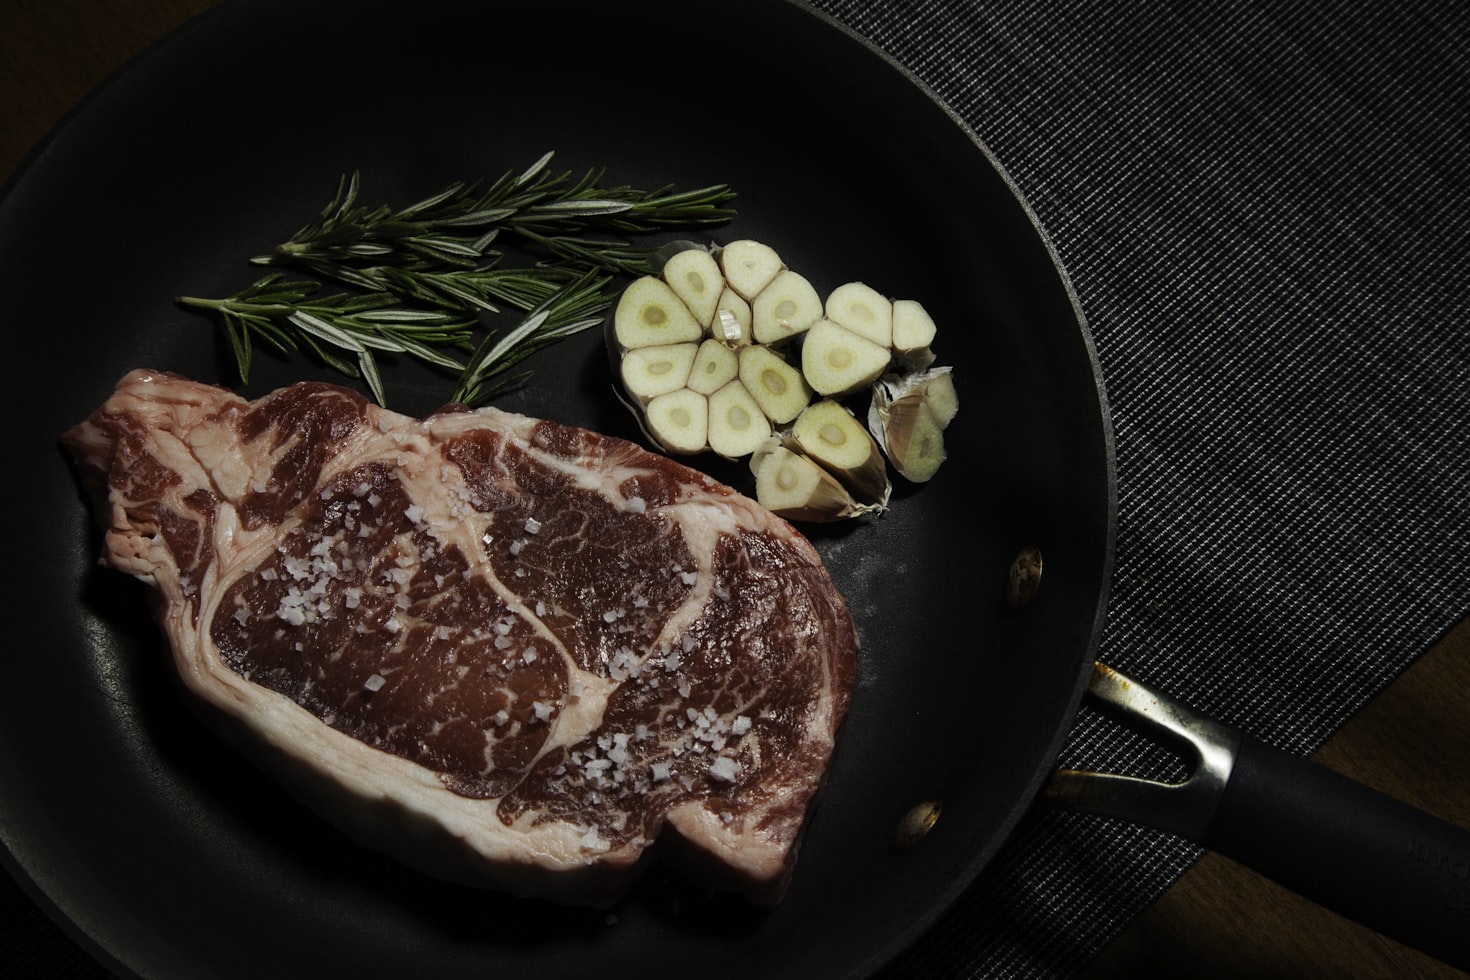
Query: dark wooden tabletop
1412,741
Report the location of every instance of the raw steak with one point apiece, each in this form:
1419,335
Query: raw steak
507,651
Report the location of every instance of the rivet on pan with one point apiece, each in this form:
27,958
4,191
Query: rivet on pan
915,824
1025,578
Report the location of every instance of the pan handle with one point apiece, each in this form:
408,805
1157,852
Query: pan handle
1349,848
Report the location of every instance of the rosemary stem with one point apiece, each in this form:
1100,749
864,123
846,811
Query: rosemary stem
230,303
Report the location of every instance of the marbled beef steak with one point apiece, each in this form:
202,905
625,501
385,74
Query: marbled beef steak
507,651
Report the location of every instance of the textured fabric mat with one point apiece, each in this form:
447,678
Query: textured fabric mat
1265,211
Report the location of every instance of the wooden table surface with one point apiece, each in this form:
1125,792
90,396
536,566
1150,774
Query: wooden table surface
1413,741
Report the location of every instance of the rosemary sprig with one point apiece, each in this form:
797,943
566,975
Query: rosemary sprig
283,314
572,309
456,227
422,277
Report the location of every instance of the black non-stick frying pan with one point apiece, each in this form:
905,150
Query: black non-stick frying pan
169,856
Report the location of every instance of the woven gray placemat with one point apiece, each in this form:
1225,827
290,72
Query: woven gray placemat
1265,211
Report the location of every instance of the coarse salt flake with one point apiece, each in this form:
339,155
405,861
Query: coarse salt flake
724,769
532,525
375,682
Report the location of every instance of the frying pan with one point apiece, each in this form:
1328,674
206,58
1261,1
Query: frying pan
166,855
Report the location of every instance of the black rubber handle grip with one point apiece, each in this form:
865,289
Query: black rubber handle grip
1349,848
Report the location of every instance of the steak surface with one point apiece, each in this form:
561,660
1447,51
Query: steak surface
506,651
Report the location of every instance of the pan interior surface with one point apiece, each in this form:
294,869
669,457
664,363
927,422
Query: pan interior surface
222,141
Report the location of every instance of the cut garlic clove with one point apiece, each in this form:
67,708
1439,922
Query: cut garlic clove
650,313
941,397
651,371
793,487
786,307
837,361
749,266
863,310
915,440
909,424
731,323
828,433
695,278
737,426
913,333
934,385
679,421
715,365
777,387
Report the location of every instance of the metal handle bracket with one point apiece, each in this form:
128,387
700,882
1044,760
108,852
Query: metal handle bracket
1186,808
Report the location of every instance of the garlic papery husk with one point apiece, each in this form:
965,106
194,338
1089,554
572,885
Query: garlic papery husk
907,417
792,486
829,434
